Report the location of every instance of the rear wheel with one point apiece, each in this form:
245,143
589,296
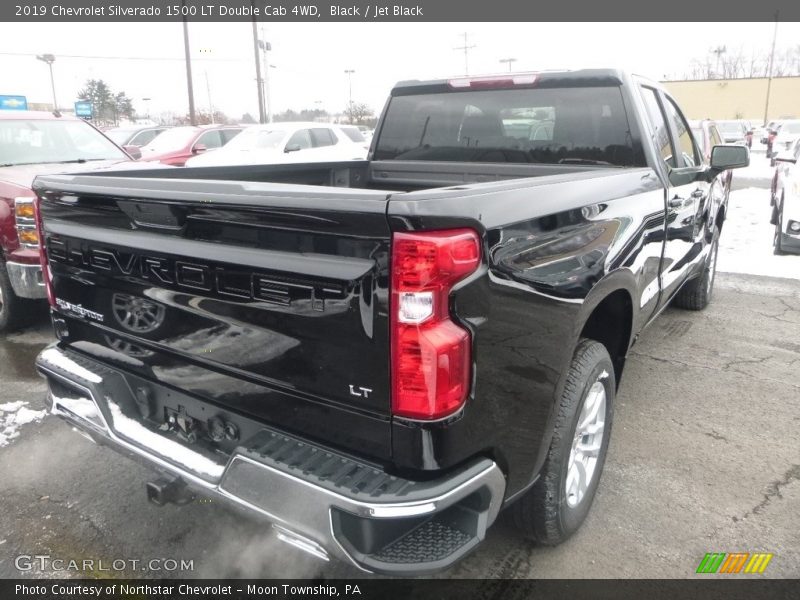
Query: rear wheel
696,293
556,505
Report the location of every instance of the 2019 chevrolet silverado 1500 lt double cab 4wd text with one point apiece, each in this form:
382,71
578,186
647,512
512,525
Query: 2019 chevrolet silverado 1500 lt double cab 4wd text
378,356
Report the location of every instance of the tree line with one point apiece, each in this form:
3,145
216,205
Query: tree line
735,63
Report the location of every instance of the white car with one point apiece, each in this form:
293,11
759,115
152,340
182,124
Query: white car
789,131
786,205
286,143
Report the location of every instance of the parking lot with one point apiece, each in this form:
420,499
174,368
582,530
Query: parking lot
704,454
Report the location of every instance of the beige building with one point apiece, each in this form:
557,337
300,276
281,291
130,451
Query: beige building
738,98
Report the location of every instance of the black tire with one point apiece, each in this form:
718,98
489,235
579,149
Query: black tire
546,513
777,248
15,312
696,293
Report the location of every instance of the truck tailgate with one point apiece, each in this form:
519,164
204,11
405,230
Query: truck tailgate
265,299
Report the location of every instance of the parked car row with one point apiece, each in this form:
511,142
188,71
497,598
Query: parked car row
284,143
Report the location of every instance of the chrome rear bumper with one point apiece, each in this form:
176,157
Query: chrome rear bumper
318,500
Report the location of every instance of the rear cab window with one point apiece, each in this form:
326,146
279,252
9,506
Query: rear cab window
547,125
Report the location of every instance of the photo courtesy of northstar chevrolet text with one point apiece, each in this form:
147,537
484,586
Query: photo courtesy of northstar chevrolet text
343,294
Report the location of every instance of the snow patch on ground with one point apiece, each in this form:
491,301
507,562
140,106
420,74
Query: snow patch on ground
12,416
746,242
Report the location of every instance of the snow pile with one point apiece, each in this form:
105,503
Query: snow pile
746,242
12,416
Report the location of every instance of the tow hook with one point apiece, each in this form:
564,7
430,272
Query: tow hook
164,491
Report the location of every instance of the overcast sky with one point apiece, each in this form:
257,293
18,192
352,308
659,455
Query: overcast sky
310,58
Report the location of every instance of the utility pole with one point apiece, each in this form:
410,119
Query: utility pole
50,59
769,71
210,105
266,47
719,51
350,84
190,87
508,61
262,115
466,48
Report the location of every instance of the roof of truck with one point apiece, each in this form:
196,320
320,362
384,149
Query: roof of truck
538,79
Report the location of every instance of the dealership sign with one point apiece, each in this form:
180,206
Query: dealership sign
83,109
13,103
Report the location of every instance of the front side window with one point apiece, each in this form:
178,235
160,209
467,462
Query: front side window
210,139
322,136
301,140
688,150
716,138
661,135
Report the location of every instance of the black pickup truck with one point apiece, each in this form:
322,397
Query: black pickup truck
378,357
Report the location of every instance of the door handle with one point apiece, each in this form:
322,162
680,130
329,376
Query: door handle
676,202
697,194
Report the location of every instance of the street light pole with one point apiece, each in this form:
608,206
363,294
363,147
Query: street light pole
769,74
262,116
508,61
266,47
350,83
189,85
50,59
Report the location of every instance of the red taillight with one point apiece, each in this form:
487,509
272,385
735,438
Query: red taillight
431,355
494,81
48,282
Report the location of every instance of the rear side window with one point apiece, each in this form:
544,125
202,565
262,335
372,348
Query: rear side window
567,125
322,136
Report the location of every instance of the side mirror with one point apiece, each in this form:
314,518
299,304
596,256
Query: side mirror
785,157
134,151
729,156
292,148
199,149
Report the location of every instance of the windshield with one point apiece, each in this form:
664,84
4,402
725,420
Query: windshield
172,139
120,136
790,128
53,141
256,139
577,125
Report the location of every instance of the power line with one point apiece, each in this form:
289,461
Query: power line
86,56
466,48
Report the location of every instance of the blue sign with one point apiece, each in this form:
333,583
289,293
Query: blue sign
83,109
13,103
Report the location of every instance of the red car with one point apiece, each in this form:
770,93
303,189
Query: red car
708,135
177,145
31,144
